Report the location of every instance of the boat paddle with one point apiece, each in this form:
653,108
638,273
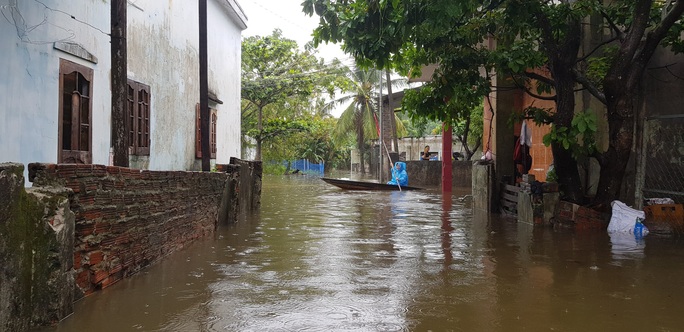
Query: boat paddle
391,165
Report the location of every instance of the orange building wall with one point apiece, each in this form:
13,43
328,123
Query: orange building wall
541,155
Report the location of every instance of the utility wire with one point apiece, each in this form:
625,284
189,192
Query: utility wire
73,17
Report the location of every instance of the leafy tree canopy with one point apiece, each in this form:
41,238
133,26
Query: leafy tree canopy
521,41
280,79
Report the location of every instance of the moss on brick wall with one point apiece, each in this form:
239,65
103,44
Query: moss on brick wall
36,246
127,219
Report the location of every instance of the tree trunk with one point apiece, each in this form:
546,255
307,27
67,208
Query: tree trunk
360,138
564,163
621,98
562,58
392,118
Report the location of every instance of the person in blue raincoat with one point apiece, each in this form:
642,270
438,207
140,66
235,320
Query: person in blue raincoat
399,174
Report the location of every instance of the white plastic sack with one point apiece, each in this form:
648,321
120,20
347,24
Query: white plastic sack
623,218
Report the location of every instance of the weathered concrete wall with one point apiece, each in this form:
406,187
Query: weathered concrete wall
163,43
127,219
250,183
429,173
538,213
413,146
226,21
483,187
33,38
36,253
230,201
163,46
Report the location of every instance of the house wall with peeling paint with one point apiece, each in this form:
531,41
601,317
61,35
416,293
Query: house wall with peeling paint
30,34
224,74
163,53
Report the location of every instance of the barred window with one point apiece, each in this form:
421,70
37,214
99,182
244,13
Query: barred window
138,122
212,132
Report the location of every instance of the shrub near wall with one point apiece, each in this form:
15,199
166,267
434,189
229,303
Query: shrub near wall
127,219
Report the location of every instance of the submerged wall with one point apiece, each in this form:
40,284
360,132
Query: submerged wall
429,173
82,228
127,219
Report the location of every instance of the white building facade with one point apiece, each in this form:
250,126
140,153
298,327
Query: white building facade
55,90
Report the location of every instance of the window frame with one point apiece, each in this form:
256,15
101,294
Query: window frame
138,118
76,153
213,113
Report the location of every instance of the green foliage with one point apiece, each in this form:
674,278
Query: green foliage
274,168
551,175
280,86
418,126
578,138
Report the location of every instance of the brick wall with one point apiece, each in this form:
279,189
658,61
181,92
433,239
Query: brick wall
579,217
127,219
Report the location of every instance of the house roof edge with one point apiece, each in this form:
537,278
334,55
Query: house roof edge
235,12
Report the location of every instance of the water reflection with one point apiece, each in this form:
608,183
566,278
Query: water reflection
317,258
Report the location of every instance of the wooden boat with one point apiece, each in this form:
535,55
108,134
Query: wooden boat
360,185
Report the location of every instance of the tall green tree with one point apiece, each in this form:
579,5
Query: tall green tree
361,114
318,144
528,34
275,69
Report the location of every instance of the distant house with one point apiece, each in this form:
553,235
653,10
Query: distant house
55,91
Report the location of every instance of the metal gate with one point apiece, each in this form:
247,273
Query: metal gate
662,160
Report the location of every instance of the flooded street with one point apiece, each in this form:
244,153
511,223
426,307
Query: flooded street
317,258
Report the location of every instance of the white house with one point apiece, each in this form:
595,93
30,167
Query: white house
55,95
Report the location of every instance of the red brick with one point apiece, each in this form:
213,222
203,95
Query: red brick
83,230
91,215
111,280
95,257
113,170
83,279
102,227
98,276
77,260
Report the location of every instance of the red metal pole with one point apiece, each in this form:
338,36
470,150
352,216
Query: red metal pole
446,159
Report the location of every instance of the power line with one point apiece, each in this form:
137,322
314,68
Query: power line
11,13
72,16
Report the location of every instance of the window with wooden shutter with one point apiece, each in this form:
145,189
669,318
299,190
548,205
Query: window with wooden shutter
212,132
75,111
212,142
138,121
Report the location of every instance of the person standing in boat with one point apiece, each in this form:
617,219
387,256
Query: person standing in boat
399,174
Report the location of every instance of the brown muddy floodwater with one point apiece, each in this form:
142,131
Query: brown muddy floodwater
317,258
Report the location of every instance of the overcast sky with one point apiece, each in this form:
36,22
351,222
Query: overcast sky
265,15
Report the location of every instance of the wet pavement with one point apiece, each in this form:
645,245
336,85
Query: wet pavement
317,258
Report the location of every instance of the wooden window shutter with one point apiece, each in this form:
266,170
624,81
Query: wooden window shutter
198,133
214,120
130,123
143,119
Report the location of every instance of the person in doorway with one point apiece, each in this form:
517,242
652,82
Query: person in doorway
425,155
399,175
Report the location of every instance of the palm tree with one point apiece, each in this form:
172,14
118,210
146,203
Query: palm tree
360,116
